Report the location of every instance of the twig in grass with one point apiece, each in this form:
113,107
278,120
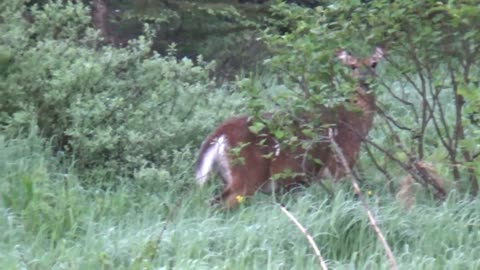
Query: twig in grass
323,265
152,247
338,152
169,218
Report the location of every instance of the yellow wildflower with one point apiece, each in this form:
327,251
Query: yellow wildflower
240,198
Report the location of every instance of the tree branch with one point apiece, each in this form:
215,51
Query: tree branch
310,240
373,222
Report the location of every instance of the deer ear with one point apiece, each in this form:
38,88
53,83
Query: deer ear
346,57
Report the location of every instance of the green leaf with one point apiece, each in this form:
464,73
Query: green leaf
256,127
279,134
308,132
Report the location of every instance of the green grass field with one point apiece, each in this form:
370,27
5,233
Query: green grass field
50,221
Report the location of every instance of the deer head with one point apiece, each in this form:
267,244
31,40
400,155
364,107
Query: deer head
364,69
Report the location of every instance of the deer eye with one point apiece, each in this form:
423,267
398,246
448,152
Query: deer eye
374,64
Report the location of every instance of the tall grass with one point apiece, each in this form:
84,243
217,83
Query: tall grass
162,221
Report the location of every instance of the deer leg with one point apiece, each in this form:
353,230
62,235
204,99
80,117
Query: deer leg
243,180
238,190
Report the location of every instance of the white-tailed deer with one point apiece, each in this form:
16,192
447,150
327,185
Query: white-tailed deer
248,161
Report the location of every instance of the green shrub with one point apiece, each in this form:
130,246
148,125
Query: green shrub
114,110
427,106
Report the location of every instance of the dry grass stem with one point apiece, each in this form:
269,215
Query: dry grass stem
339,154
323,265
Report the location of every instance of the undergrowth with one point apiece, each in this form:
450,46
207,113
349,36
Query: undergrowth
50,221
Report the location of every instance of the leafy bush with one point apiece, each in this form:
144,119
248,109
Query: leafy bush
114,110
426,91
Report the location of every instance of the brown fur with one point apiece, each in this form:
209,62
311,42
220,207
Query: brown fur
259,158
351,128
406,194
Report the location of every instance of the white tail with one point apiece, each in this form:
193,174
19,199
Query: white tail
215,155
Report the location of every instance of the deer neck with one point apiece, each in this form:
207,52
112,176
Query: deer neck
356,119
364,99
353,122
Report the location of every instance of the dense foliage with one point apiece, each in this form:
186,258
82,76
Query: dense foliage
99,131
427,102
115,109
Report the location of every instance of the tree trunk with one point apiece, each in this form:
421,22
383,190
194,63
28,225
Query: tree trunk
100,19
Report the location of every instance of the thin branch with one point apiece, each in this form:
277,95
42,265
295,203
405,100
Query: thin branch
168,221
390,119
396,139
310,240
401,100
445,141
356,187
406,168
430,176
423,94
458,109
302,83
420,178
442,116
404,73
377,165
